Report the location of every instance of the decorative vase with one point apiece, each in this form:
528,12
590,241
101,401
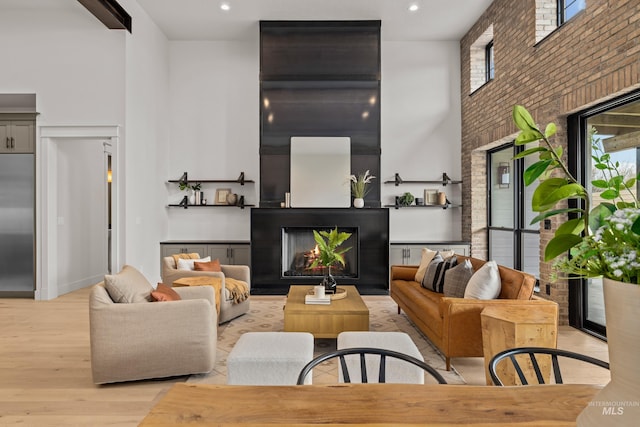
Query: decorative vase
232,199
328,281
198,197
192,197
358,202
618,403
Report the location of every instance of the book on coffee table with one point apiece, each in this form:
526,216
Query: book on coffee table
313,299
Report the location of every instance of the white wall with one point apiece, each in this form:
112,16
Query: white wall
76,68
214,132
146,149
421,134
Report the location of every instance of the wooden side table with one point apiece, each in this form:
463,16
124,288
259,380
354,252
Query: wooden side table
511,326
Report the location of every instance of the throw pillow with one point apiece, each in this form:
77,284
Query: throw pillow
128,286
456,279
427,257
434,277
176,257
164,293
485,283
207,266
188,264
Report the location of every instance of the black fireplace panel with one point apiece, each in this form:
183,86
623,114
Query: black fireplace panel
367,261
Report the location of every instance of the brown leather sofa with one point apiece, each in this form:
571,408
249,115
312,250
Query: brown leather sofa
453,324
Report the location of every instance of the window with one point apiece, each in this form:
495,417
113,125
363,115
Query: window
513,241
481,60
550,14
567,9
490,68
614,128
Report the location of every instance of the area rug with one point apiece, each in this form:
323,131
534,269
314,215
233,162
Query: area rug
266,314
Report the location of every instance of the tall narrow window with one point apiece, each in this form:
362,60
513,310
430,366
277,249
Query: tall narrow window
567,9
489,60
613,129
513,241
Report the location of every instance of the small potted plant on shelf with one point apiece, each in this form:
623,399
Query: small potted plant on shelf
406,199
329,253
601,242
359,188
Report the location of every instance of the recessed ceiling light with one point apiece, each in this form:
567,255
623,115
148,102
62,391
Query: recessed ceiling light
225,6
413,8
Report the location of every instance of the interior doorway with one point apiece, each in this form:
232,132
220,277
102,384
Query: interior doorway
75,205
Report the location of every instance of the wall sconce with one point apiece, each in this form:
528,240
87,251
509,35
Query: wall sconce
503,175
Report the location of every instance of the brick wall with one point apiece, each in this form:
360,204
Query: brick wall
590,59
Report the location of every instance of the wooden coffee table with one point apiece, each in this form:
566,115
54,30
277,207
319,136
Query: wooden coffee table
325,321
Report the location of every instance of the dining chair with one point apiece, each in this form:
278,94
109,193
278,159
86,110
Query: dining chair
362,352
534,354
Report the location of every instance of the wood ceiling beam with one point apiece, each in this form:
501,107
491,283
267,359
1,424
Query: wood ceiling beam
109,12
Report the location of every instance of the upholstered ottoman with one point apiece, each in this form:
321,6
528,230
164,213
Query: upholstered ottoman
397,371
269,358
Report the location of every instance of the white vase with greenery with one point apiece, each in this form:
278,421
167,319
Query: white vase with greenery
601,242
359,188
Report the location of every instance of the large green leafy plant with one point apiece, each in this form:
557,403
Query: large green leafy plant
330,252
604,240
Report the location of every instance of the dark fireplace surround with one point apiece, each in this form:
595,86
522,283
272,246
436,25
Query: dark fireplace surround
367,261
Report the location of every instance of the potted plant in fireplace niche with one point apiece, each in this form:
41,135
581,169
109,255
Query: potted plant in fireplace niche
329,253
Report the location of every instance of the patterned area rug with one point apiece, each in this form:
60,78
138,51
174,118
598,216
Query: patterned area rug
266,314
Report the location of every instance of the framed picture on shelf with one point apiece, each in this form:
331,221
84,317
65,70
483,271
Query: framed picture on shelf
221,196
430,197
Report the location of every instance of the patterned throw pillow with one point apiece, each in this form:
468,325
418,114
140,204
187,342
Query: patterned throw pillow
434,276
456,279
427,256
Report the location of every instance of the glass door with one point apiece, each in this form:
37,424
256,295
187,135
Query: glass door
513,241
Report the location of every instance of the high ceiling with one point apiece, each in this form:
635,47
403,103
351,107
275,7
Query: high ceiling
204,20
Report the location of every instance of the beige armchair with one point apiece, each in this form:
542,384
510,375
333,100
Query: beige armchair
133,341
228,308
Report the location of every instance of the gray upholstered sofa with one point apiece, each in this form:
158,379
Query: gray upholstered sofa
229,309
140,340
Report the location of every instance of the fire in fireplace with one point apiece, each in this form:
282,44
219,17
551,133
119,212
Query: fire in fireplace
299,250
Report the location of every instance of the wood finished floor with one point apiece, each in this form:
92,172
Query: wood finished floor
45,368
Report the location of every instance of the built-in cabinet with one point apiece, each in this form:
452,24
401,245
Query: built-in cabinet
17,136
411,253
232,252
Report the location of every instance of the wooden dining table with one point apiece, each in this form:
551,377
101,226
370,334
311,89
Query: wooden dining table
370,405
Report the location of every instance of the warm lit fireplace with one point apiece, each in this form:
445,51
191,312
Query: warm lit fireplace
299,250
282,248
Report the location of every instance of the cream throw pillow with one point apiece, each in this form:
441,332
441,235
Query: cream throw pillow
188,264
128,286
427,257
485,283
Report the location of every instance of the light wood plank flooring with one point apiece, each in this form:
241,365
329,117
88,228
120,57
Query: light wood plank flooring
45,368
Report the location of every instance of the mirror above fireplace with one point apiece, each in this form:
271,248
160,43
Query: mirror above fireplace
320,171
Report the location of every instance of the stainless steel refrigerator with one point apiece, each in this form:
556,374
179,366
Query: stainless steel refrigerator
17,225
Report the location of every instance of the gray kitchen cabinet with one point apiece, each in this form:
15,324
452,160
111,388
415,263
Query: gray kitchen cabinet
411,253
17,136
228,252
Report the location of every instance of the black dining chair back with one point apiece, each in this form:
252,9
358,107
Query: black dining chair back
534,354
362,352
